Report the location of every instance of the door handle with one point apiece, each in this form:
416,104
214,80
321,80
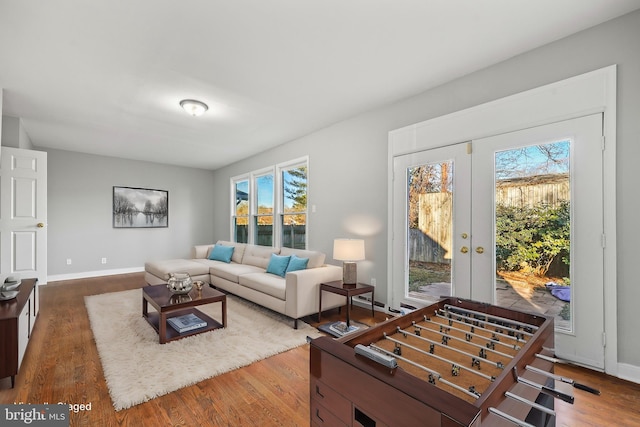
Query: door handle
480,249
41,225
464,249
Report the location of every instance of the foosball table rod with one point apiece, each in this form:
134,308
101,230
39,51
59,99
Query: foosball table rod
563,379
466,341
496,334
528,402
518,334
432,374
454,309
443,359
473,357
473,334
542,388
508,417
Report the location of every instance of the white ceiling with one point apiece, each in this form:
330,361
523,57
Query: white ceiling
106,76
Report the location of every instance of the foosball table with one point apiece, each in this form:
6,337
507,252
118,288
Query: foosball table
454,363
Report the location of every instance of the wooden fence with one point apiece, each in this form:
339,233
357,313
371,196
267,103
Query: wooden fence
534,190
432,240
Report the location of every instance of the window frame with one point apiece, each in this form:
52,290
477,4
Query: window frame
281,168
276,171
234,203
254,206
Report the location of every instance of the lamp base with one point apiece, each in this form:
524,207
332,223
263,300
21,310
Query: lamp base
349,273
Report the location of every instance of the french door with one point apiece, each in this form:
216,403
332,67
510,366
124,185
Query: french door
525,222
423,189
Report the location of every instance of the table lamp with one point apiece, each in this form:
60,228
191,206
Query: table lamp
348,251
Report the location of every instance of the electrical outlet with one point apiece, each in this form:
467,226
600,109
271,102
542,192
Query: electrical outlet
68,261
104,260
373,281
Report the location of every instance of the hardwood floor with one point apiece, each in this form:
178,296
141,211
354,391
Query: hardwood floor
62,365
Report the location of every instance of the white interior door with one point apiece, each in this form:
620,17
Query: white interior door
23,214
575,147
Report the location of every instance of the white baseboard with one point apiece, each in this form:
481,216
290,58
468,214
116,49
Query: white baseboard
87,274
629,372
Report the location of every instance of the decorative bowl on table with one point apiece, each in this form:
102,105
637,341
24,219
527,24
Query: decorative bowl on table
9,286
7,295
179,283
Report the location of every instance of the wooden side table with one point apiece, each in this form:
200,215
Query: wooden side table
337,287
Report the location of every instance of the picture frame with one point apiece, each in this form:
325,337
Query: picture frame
140,208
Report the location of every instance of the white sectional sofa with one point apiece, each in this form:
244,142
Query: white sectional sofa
256,273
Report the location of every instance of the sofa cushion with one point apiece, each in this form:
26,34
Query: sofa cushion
259,256
296,263
221,253
163,268
269,284
316,259
278,265
232,271
238,252
201,251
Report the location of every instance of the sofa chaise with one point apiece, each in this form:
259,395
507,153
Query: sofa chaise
284,280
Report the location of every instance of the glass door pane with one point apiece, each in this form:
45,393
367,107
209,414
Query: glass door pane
533,229
430,213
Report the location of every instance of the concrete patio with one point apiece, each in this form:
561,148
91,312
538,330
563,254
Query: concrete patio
521,298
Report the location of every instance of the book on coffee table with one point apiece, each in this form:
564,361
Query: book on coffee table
187,322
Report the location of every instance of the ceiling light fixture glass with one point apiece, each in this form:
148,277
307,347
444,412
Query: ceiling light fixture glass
193,107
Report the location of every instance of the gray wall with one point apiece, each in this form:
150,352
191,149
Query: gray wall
14,135
80,188
348,161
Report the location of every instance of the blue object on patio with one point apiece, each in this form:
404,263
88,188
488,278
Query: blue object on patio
561,292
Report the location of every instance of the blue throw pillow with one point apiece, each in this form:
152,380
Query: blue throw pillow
221,253
278,265
297,263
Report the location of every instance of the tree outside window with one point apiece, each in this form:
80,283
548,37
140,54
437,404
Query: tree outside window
294,216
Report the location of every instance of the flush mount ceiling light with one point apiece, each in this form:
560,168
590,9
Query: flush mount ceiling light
193,107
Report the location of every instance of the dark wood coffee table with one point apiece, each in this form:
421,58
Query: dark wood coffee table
170,305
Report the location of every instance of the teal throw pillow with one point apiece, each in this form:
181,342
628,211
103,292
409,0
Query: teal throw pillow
221,253
297,263
278,265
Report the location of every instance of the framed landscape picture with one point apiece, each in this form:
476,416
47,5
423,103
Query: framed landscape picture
140,208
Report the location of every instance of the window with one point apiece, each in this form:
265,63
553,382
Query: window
262,196
263,217
241,211
294,207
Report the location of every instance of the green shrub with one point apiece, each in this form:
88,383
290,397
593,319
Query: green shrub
531,238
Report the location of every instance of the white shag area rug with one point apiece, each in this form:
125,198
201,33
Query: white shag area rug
138,368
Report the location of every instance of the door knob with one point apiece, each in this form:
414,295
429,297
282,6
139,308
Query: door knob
464,249
40,225
464,235
480,249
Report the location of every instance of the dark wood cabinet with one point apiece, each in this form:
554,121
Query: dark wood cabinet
17,318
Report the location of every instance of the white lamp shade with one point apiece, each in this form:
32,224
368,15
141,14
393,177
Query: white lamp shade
348,249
